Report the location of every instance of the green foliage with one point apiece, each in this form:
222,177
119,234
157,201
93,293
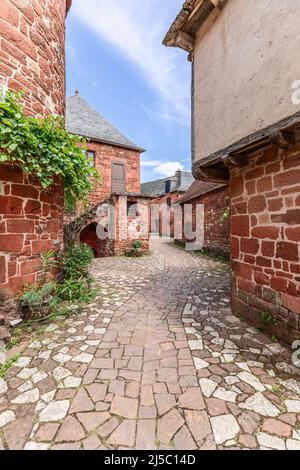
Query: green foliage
267,318
8,364
45,149
76,261
137,244
34,295
225,215
75,290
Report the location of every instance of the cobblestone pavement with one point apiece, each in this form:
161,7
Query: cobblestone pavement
157,361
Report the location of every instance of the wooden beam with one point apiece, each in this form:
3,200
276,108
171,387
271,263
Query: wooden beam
232,161
219,3
214,175
282,139
185,41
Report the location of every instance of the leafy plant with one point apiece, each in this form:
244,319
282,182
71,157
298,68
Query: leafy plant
76,261
137,244
75,290
44,148
267,318
225,215
8,364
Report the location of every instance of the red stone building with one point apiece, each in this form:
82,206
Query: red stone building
246,132
216,200
32,58
117,160
164,193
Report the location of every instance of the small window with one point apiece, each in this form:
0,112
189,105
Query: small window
132,209
168,186
169,202
91,156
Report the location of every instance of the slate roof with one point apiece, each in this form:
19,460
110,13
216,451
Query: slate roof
199,188
157,187
82,119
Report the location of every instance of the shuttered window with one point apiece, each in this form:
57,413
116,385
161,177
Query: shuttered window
118,178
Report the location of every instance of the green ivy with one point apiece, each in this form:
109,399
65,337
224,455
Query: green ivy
44,148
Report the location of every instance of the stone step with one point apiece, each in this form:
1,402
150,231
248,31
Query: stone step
4,334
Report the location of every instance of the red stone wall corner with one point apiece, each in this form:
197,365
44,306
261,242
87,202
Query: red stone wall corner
265,240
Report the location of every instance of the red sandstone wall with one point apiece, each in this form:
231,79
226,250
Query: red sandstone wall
104,156
163,200
32,52
217,230
265,240
30,224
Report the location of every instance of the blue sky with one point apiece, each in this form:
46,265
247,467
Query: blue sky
115,56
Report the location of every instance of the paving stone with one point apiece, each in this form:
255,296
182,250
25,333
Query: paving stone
18,432
224,427
274,426
168,425
107,428
46,432
208,387
31,396
198,424
3,386
6,417
261,405
145,438
124,435
292,406
70,431
91,443
93,420
164,402
247,441
216,407
96,391
183,440
270,442
82,402
125,407
55,411
192,399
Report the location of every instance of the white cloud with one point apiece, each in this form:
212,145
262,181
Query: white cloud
136,28
162,168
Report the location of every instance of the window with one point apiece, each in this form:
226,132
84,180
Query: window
118,178
168,186
91,156
131,209
169,202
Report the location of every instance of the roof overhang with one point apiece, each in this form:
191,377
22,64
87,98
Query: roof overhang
189,22
68,5
113,144
216,167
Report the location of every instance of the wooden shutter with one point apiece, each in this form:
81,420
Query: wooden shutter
118,178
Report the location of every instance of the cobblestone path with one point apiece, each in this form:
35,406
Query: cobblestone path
157,361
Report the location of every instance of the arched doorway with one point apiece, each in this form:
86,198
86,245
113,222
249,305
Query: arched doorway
89,237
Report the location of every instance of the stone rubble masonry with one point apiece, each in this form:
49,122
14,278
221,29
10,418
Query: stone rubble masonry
216,227
32,59
265,242
32,52
31,223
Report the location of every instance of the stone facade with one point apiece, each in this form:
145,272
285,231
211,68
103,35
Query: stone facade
32,59
32,52
105,155
216,226
118,216
265,242
31,222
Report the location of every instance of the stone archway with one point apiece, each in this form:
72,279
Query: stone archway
89,236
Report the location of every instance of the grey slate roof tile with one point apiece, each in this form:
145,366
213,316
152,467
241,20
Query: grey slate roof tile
82,119
157,187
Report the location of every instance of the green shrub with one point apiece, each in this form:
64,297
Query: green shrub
76,290
76,261
137,244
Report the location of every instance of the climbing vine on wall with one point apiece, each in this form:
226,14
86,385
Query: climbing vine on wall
45,149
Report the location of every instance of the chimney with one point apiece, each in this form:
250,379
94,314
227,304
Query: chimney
178,178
